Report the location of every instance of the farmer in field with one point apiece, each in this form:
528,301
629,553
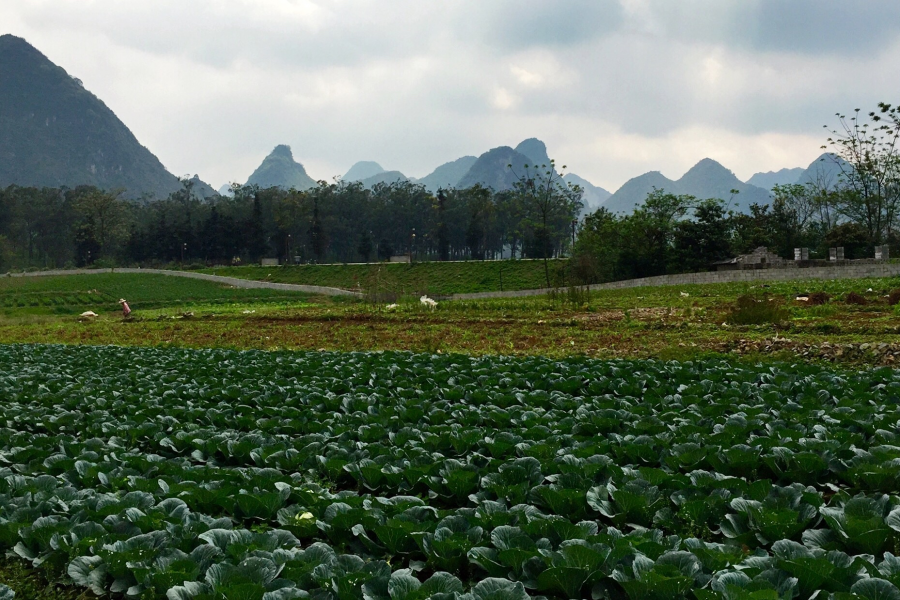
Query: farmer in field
126,310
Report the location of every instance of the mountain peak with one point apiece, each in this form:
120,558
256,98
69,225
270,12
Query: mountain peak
8,41
535,150
491,169
282,150
708,166
364,169
56,133
279,169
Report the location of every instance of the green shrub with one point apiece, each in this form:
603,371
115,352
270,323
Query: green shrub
753,310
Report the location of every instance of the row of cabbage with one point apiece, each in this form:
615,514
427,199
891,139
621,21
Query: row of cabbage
392,476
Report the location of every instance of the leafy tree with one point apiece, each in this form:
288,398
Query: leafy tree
704,239
598,249
385,249
793,215
255,234
650,232
853,237
101,222
317,240
550,202
869,191
750,231
481,214
365,246
443,240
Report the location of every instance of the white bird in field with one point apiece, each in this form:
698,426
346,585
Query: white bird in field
88,314
684,294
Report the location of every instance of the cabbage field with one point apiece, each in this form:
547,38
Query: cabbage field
208,474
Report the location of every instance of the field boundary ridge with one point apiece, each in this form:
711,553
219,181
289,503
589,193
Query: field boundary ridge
824,273
811,273
232,281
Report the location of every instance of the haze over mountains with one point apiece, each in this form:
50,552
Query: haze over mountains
770,179
55,133
364,169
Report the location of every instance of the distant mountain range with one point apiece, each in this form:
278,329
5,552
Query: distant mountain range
55,133
770,179
706,179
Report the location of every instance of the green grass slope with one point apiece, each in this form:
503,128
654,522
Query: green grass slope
70,294
433,278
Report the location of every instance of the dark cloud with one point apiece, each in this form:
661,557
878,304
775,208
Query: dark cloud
832,27
517,24
825,26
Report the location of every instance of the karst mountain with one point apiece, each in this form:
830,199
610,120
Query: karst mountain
55,133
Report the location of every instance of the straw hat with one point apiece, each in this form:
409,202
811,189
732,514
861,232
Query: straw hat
121,300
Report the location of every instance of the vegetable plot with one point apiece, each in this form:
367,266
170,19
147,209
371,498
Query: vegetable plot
391,476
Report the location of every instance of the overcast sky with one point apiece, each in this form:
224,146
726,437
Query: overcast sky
614,87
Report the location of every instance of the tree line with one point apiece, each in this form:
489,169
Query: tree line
857,209
346,222
334,222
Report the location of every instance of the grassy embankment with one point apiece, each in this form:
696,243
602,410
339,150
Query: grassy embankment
432,278
640,322
74,294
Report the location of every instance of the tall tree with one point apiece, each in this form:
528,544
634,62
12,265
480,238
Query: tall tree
443,241
704,239
317,240
551,201
101,222
650,231
869,191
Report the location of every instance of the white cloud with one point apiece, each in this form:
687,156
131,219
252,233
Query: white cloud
526,77
503,99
